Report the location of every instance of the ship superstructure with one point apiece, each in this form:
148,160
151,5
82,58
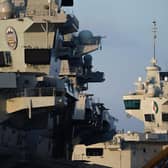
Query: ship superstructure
125,150
149,103
45,68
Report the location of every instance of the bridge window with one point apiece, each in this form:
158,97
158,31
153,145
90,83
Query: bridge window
149,117
164,116
132,104
94,151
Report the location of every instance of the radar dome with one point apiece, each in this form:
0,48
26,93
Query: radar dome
85,36
6,9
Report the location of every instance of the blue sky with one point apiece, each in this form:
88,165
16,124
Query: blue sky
127,48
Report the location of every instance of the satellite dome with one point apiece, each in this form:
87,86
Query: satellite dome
6,9
85,36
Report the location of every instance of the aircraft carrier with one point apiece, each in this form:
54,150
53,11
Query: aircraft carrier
47,117
45,68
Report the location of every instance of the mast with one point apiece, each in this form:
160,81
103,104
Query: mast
154,30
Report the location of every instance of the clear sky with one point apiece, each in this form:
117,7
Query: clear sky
127,48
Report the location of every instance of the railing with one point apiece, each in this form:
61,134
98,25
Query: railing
39,92
40,13
32,92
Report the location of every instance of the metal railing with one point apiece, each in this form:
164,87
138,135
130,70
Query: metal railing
40,13
32,92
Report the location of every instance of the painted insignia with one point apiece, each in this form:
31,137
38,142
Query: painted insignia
11,38
155,107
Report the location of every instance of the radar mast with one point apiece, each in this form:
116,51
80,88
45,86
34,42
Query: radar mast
154,30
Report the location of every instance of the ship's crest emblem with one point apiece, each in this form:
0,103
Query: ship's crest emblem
11,37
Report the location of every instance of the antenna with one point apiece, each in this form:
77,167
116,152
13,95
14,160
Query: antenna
49,10
154,30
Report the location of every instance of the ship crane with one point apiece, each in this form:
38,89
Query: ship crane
160,160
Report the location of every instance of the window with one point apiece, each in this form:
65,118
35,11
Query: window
67,3
37,56
149,117
94,151
164,116
132,104
5,59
